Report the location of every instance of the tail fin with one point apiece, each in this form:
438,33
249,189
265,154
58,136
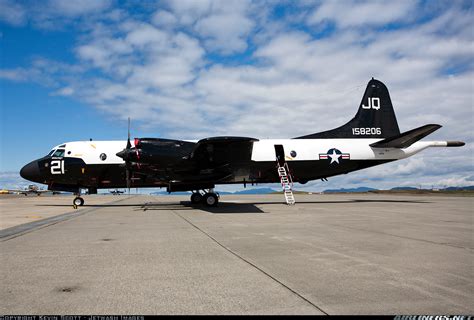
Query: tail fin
374,119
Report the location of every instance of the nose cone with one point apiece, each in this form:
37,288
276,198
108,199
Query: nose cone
127,154
31,171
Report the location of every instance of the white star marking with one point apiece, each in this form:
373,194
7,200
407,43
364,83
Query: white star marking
334,156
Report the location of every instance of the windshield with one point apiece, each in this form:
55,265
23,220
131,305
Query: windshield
59,153
50,153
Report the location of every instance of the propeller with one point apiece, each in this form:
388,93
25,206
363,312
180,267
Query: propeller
125,155
131,156
127,162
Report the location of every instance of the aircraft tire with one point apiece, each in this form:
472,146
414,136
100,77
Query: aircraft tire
211,199
78,201
196,197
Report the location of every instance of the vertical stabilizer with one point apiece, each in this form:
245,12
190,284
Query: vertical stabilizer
374,119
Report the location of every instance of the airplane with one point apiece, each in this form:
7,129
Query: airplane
371,138
31,189
116,192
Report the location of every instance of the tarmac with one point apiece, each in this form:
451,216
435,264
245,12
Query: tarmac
328,254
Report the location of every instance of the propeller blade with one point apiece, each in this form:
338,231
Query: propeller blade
127,177
125,154
129,145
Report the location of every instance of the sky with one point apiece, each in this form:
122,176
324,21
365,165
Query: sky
74,70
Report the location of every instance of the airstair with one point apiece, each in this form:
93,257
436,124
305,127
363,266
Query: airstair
286,182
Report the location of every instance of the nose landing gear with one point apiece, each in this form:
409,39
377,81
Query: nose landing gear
78,201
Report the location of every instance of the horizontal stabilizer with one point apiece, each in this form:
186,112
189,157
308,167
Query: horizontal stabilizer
406,139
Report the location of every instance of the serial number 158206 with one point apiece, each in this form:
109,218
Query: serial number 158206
366,131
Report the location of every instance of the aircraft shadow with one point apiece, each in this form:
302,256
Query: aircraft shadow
222,208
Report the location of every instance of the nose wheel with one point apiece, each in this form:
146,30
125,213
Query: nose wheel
77,202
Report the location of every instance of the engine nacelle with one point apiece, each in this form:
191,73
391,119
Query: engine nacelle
160,152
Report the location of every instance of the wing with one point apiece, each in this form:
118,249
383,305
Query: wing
218,152
180,162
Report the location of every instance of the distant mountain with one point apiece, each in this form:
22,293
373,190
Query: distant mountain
349,190
440,189
459,188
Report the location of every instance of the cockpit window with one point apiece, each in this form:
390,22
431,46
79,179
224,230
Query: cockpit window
59,153
50,153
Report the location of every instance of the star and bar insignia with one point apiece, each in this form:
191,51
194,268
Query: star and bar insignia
334,154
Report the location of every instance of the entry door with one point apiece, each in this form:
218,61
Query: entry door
280,153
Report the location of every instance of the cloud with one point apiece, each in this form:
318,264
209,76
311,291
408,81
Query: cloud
163,18
222,25
225,32
66,91
50,14
17,74
12,13
188,11
78,8
371,13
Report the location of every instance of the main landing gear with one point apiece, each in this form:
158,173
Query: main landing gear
209,198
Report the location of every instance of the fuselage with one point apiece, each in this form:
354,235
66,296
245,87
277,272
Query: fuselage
370,138
94,164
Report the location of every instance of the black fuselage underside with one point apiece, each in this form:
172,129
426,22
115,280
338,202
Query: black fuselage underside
81,175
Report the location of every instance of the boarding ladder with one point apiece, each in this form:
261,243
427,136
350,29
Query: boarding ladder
286,182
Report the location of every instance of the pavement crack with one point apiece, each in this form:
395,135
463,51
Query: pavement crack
251,263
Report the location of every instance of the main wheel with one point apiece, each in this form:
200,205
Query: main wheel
211,199
196,197
78,201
